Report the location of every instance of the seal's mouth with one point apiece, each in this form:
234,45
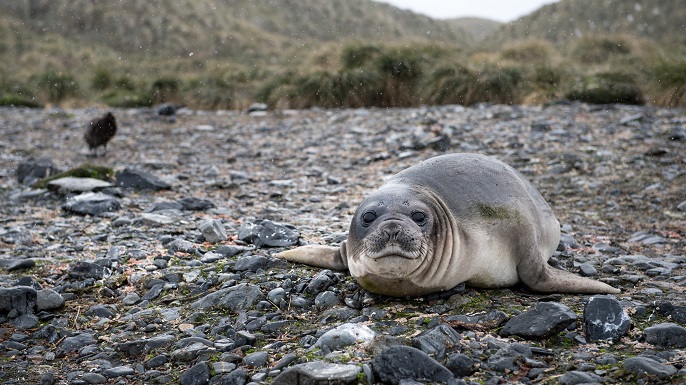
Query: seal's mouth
393,250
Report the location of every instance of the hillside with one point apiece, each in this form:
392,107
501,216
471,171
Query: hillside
568,20
241,30
476,27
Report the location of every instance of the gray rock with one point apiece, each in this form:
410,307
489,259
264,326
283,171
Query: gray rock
16,235
320,282
152,219
577,377
94,378
236,377
237,298
643,366
131,299
605,319
681,206
16,301
228,251
403,362
345,335
181,245
545,319
569,241
320,373
82,270
140,180
270,234
90,203
668,335
461,365
437,341
48,299
251,263
25,321
676,313
77,185
508,358
325,300
213,230
256,360
75,343
198,374
33,170
588,270
19,264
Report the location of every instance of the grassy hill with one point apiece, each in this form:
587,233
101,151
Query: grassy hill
568,20
477,27
338,53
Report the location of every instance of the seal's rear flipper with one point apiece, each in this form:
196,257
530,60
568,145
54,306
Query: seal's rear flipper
327,257
544,278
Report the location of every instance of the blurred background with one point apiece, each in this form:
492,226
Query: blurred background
228,54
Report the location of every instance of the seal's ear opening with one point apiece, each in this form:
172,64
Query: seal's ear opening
327,257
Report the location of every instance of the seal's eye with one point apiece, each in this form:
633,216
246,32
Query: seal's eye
368,218
418,217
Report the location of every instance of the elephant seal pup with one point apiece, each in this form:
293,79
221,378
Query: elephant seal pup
451,219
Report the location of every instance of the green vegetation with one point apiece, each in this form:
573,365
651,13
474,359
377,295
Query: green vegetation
85,171
341,55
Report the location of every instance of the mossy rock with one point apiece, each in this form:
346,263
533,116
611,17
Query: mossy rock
85,171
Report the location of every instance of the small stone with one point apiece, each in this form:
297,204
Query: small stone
668,335
213,230
345,335
605,319
48,299
131,299
90,203
256,360
268,233
461,365
198,374
588,270
140,180
319,372
77,185
94,378
403,362
118,371
32,170
544,320
578,377
437,341
648,366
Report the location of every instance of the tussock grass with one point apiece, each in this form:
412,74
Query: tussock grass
667,83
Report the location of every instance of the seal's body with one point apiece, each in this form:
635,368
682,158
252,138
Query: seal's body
451,219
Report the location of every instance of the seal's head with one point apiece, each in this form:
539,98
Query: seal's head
391,241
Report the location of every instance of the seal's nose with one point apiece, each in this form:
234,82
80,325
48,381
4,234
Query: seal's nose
392,231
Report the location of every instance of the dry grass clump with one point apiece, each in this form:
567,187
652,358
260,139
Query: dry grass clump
667,83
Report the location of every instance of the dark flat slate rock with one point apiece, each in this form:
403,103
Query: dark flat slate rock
544,320
647,366
320,373
668,335
267,233
399,363
140,180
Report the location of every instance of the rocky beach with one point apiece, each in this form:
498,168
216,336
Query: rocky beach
163,273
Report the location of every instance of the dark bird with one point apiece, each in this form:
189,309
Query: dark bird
99,131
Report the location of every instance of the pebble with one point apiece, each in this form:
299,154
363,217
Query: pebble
645,366
91,203
318,372
543,320
212,230
403,362
667,335
140,180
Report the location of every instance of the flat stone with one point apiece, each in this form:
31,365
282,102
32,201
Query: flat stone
667,335
320,373
345,335
398,363
267,233
140,180
91,203
77,185
544,320
647,366
437,341
213,230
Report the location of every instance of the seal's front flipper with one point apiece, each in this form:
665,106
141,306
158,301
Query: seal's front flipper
544,278
327,257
